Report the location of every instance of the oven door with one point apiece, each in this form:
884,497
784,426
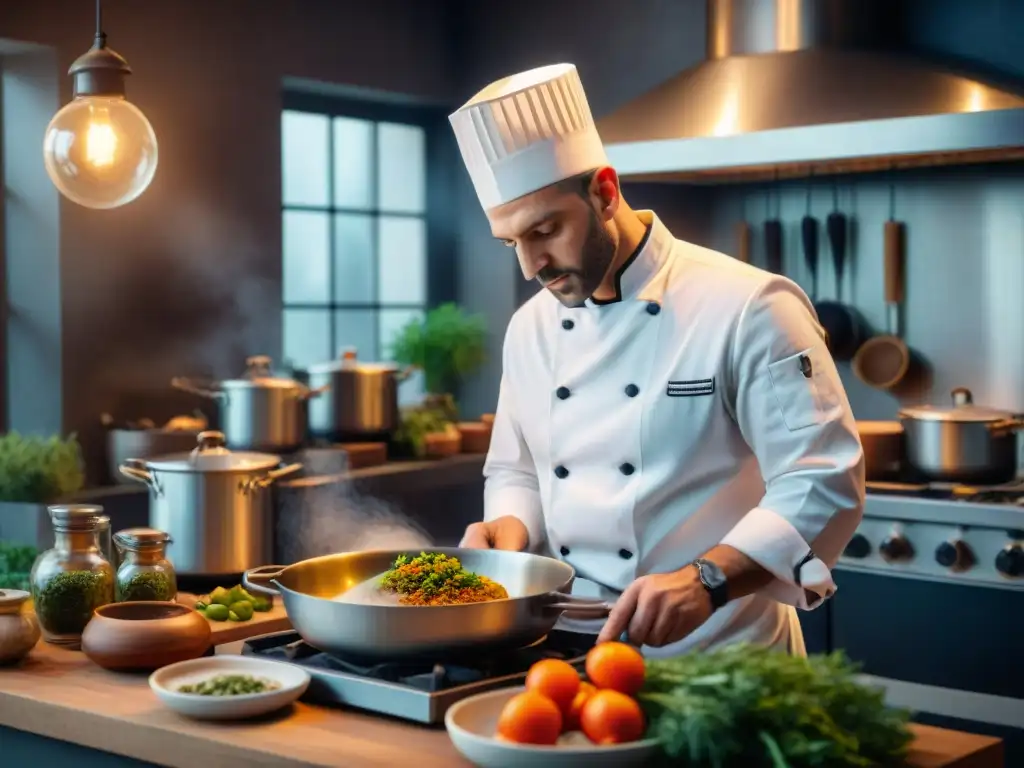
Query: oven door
949,652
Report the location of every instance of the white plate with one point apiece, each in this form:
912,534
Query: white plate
166,681
472,723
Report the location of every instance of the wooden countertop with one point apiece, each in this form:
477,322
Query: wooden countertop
60,694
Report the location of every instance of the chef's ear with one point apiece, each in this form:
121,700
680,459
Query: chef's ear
605,187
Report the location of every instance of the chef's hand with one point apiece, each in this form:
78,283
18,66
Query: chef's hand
506,532
659,609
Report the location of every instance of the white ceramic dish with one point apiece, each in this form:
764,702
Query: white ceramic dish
472,723
166,681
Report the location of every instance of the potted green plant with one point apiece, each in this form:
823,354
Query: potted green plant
35,471
447,345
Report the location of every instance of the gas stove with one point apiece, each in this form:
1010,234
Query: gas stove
963,534
420,691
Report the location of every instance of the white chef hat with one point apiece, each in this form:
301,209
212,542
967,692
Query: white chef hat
527,131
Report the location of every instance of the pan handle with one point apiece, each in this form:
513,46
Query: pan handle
253,578
580,608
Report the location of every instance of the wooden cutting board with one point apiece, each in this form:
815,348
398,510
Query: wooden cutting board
274,620
362,455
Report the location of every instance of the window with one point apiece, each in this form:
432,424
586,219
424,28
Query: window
357,227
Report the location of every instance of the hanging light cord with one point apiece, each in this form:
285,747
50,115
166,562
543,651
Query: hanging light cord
101,37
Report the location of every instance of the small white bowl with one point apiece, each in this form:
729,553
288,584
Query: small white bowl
166,681
473,722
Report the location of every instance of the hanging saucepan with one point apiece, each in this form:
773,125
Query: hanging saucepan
214,503
259,411
359,400
963,443
373,626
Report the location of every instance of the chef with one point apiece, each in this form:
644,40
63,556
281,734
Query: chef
669,421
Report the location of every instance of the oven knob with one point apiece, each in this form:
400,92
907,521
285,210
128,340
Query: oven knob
896,548
859,547
954,554
1010,562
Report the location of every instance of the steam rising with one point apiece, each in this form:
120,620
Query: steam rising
323,513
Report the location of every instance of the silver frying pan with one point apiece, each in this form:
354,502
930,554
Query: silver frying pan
538,589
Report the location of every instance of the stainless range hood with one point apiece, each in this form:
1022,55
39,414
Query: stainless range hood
794,88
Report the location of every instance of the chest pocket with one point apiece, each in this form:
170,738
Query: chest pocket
802,383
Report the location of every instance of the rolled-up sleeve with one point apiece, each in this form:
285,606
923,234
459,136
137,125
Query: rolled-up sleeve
510,475
793,412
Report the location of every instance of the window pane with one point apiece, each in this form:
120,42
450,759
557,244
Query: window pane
306,257
402,253
401,163
357,328
304,141
353,155
353,259
307,336
411,390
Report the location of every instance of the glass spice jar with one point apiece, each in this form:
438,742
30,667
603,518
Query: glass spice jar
73,579
145,573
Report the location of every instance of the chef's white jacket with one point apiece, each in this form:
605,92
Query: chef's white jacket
700,407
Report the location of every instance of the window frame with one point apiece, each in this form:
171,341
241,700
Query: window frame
438,216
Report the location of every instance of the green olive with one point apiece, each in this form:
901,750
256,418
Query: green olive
217,612
242,609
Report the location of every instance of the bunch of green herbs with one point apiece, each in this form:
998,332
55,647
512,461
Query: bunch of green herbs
429,573
39,469
746,706
446,345
16,565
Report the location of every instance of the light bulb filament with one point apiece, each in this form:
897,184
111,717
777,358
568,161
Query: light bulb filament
100,144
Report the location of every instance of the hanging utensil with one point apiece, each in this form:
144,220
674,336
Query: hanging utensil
883,361
845,328
809,238
744,235
773,234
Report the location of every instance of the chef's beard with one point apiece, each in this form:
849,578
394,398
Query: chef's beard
596,258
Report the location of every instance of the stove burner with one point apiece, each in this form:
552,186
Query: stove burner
1009,494
429,676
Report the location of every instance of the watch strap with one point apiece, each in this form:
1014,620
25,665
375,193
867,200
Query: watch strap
714,581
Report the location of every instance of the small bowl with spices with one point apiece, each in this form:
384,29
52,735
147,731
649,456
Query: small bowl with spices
143,636
228,687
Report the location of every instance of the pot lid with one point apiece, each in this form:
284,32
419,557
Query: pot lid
210,455
962,410
12,599
258,374
347,362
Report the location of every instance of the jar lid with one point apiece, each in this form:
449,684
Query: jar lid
141,538
210,455
12,598
76,517
963,410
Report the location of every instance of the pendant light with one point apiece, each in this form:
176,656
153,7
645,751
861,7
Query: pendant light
100,150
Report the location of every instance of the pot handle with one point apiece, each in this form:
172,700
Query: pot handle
1005,427
253,578
186,385
579,608
309,394
134,469
264,481
405,373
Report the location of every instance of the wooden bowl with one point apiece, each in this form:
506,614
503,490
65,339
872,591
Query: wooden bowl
476,436
144,636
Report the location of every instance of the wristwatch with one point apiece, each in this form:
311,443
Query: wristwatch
714,582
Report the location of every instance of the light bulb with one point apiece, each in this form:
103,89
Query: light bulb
100,151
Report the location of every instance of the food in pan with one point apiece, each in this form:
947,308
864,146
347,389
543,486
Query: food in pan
438,579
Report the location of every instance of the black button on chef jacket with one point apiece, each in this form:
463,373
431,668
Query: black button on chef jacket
561,472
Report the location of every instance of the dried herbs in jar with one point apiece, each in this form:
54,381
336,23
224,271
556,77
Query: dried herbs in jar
145,585
65,603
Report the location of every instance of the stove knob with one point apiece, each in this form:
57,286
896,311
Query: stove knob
859,547
1010,562
896,548
954,554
